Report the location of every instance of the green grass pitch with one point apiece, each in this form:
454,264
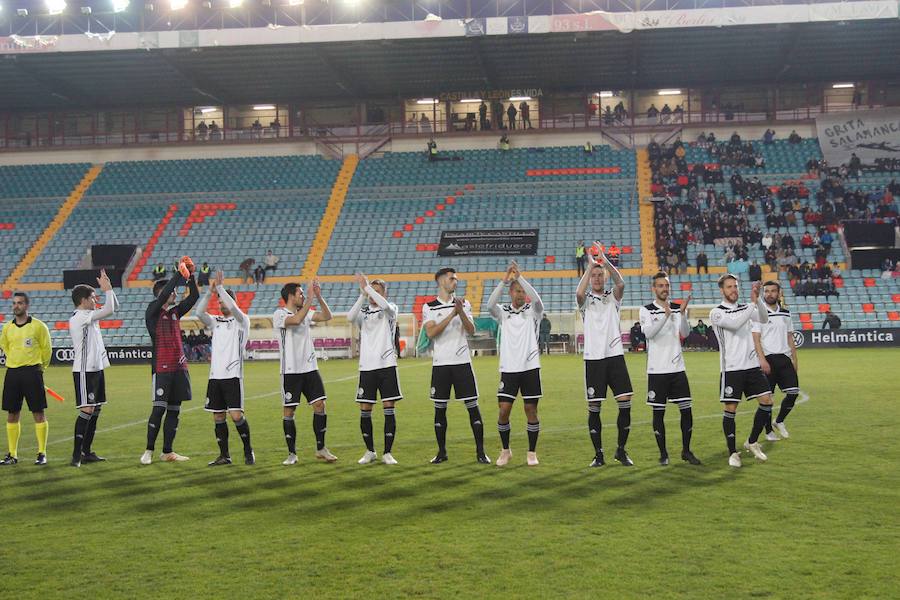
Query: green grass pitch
820,519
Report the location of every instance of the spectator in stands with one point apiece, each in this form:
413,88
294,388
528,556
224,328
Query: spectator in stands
271,262
580,258
831,321
511,113
424,123
794,138
256,129
755,272
637,337
245,268
857,98
544,335
275,126
678,113
203,274
702,262
431,150
202,130
259,274
525,112
159,272
854,166
652,112
589,147
482,116
504,143
214,133
769,137
666,113
412,123
190,344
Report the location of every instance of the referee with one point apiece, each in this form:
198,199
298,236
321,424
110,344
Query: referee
26,343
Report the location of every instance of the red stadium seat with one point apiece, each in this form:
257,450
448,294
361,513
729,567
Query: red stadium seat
112,324
868,307
7,294
808,326
627,249
805,318
429,213
824,308
419,220
61,325
408,227
549,260
439,207
451,200
686,286
892,315
869,282
838,282
895,297
397,234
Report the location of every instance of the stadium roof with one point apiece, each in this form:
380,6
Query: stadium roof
554,62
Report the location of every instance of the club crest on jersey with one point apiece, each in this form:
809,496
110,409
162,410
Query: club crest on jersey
729,390
160,391
651,394
29,342
501,386
91,396
288,395
359,393
432,391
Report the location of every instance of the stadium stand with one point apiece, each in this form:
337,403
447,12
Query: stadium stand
31,196
860,298
156,205
399,204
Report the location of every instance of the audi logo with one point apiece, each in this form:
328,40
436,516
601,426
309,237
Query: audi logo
65,354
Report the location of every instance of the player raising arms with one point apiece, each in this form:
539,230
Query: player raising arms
171,382
447,319
777,353
520,362
225,390
741,375
299,370
665,324
604,358
90,360
377,322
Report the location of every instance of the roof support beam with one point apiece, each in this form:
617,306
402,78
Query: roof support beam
340,76
199,83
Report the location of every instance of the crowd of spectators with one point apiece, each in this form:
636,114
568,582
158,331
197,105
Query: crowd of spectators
197,346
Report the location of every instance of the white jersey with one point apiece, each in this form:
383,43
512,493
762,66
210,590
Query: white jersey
87,341
774,334
731,322
451,347
229,337
602,333
377,326
519,350
295,344
663,337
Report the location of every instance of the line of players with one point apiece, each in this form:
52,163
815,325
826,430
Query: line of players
755,341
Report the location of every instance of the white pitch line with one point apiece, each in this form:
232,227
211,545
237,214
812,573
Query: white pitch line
198,407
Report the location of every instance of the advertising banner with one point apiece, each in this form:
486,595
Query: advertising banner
847,338
870,134
489,242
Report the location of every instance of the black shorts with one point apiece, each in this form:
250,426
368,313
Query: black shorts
460,377
607,372
224,395
782,374
528,383
667,387
308,384
24,382
750,383
380,382
90,388
171,388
